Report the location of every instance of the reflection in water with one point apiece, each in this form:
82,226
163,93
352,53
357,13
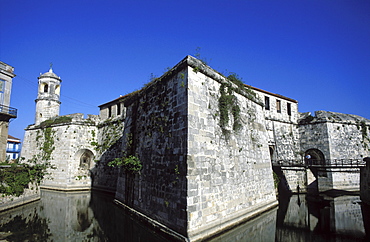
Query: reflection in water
72,216
305,218
85,216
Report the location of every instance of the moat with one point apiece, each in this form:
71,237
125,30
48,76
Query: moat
93,216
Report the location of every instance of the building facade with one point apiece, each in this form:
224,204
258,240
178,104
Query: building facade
13,148
6,112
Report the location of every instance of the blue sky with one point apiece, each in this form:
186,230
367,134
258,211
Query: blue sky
317,52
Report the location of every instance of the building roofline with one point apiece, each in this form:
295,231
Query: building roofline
201,67
7,69
272,94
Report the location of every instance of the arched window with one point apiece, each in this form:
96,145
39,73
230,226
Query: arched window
46,87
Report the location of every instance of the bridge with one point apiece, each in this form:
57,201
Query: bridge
315,175
313,163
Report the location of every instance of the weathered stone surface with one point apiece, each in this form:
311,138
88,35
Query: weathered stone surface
201,172
365,182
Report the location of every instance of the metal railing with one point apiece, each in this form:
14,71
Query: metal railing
321,163
8,110
13,150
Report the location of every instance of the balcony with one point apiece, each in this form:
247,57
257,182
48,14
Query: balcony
13,150
7,113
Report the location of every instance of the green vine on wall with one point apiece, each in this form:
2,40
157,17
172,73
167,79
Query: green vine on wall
130,163
57,120
16,178
47,147
110,133
228,103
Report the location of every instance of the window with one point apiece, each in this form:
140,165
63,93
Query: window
2,87
289,109
267,103
118,109
110,112
278,106
46,87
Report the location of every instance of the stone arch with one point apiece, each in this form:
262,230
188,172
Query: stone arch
314,157
85,157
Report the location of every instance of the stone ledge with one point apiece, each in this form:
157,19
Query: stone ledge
219,227
153,224
27,197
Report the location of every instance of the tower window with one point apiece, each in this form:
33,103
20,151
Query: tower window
267,103
289,109
46,87
278,106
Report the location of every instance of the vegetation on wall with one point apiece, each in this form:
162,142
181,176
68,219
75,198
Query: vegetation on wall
110,133
47,147
276,180
15,178
130,163
57,120
228,103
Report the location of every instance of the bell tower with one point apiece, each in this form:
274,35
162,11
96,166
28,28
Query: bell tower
48,95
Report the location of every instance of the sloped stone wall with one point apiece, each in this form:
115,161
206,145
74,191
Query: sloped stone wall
155,131
365,183
198,177
229,170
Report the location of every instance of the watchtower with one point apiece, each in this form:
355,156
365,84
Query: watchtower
47,102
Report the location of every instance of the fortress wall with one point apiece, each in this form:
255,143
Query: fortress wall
65,144
286,138
108,146
347,141
296,177
337,135
229,171
315,136
365,183
155,131
197,178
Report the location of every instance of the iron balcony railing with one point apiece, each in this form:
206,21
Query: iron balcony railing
13,150
321,163
8,110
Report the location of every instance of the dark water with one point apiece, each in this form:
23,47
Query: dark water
86,216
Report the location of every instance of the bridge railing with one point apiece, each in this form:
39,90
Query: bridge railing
321,163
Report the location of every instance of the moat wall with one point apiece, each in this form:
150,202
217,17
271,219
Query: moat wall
198,178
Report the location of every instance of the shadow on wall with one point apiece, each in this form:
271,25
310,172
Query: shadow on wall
283,186
103,176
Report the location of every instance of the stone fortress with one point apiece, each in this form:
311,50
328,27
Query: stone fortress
207,144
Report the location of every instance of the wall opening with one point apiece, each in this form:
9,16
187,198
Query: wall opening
278,106
85,158
267,103
314,157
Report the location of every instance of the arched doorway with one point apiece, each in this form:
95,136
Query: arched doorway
314,157
315,160
85,157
